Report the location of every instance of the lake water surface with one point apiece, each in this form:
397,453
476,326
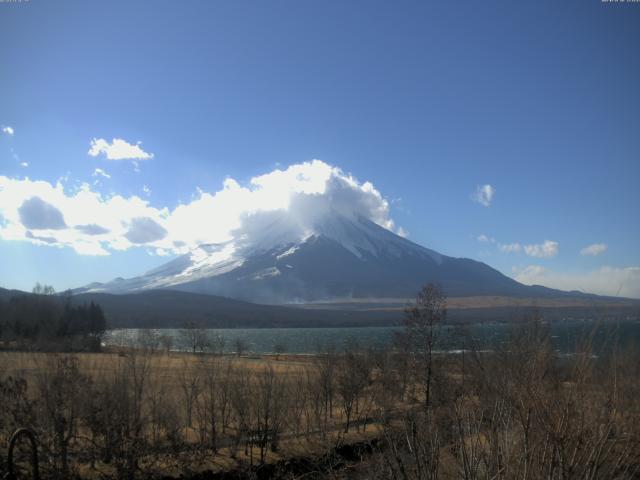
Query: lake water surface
565,336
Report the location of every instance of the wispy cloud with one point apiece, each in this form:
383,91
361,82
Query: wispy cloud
98,172
510,247
484,195
402,232
118,149
485,239
594,249
8,130
547,249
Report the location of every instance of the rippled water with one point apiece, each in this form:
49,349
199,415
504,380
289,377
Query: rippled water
565,336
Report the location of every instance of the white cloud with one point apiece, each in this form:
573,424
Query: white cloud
624,282
94,224
402,232
118,149
8,130
24,164
510,247
548,249
485,239
484,195
100,172
594,249
63,215
146,190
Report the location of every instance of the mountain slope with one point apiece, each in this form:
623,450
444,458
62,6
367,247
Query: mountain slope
173,309
339,257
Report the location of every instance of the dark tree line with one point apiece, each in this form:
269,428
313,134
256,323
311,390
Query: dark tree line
45,319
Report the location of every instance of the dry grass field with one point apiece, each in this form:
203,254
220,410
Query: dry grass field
519,411
252,396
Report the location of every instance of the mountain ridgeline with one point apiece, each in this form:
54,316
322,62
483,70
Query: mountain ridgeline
341,258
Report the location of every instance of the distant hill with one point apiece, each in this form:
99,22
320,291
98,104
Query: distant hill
6,294
167,308
173,309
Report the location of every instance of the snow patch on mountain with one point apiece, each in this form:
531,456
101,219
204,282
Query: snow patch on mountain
277,237
290,251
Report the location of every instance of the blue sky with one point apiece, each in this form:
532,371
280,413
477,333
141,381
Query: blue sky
426,100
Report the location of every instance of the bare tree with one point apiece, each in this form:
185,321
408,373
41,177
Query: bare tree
269,410
194,337
148,339
190,385
279,348
422,324
213,401
166,342
325,363
241,346
216,344
119,417
241,396
352,378
62,390
39,289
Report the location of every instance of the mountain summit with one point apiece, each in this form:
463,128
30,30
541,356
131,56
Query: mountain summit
335,257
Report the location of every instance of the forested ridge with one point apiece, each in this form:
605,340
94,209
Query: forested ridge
44,320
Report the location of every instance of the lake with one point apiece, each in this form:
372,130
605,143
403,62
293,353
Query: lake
565,336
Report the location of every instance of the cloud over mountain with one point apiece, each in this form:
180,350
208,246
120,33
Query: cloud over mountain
95,224
145,230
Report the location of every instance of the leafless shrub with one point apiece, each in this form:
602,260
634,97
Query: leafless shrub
118,416
166,342
325,363
269,410
194,337
240,346
190,384
352,379
62,391
212,406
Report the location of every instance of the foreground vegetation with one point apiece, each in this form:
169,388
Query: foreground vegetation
517,411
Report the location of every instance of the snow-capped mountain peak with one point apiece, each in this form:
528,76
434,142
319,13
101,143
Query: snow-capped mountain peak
280,260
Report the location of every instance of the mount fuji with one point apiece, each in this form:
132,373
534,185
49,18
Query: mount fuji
336,257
